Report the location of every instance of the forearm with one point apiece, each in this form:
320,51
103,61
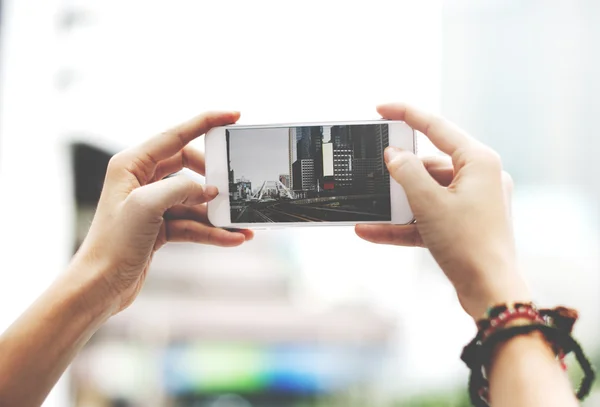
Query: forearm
38,347
525,373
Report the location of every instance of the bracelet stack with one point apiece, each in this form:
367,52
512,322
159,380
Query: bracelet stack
503,322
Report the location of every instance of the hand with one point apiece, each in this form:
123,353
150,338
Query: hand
139,210
462,212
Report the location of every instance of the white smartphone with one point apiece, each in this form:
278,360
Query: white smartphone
305,174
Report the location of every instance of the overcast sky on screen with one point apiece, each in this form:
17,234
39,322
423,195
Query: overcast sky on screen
259,154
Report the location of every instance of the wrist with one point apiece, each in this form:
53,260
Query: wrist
86,276
483,296
525,349
516,343
521,343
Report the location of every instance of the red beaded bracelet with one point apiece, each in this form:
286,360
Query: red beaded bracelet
521,312
512,314
501,324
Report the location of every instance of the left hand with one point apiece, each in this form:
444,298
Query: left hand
139,210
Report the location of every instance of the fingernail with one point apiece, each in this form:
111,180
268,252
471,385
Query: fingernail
211,191
391,153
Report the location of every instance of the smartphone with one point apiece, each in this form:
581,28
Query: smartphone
304,174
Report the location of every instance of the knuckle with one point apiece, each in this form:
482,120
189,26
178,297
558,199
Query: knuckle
435,123
416,239
461,156
188,232
402,235
118,161
185,157
493,158
482,155
194,189
210,236
489,157
179,135
403,164
209,119
128,160
187,184
136,166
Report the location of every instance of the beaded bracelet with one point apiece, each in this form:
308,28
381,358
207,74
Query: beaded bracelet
504,316
500,325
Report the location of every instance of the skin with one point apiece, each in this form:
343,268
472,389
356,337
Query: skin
461,203
139,211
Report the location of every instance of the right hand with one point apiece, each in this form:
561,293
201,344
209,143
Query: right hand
462,209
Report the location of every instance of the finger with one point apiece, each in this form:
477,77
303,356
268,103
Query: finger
440,168
399,235
142,161
443,134
199,213
189,157
172,141
184,230
159,196
409,171
248,234
146,157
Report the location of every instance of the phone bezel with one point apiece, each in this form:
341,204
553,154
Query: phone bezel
400,135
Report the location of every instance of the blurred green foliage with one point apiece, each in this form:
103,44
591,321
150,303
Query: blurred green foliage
455,399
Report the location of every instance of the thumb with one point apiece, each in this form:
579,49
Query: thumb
164,194
408,170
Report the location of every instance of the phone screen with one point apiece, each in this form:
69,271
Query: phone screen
308,174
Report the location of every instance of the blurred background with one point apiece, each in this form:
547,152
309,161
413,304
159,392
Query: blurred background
302,317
